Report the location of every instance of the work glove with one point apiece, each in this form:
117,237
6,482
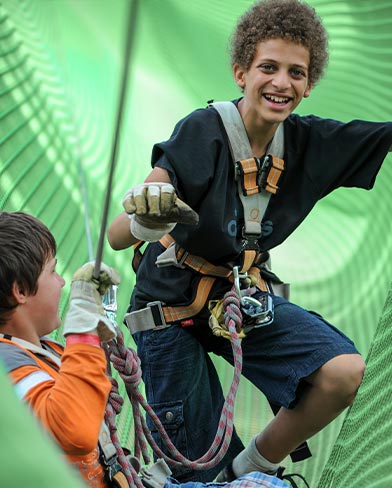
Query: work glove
86,313
155,209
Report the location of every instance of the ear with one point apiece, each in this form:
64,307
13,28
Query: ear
239,76
308,90
18,294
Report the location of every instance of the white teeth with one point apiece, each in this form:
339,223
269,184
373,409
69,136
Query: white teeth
277,99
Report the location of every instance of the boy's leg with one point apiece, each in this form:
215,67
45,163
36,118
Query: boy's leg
331,389
303,364
183,389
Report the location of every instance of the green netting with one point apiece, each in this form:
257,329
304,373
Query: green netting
60,63
362,452
29,458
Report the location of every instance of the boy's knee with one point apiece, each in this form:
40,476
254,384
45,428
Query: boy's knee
341,377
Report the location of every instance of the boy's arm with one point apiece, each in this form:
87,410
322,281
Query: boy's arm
152,209
71,406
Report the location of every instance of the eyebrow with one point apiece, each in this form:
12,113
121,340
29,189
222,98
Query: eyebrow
271,60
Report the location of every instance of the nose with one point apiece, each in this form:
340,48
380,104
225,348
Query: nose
281,80
62,281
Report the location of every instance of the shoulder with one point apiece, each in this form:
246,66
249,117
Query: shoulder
200,131
200,119
13,356
310,123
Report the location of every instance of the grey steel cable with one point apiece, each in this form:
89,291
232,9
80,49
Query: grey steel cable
133,8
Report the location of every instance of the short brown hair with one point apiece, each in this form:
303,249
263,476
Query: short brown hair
293,20
26,245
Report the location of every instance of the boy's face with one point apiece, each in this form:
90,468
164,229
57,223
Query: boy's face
43,307
277,80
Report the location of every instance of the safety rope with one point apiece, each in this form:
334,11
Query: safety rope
127,364
114,408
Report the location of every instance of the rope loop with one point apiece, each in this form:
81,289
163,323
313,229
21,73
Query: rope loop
127,364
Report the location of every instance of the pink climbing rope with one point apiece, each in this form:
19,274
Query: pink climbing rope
127,363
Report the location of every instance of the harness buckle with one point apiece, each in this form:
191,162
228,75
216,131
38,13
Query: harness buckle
150,317
169,257
158,315
250,241
264,169
112,467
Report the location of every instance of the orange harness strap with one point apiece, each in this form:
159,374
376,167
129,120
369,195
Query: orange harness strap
274,174
204,267
176,313
209,274
254,178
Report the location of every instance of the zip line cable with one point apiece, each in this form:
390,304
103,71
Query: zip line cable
124,80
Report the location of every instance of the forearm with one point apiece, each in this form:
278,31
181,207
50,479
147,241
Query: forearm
119,233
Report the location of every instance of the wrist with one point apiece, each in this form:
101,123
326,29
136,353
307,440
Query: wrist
92,339
144,233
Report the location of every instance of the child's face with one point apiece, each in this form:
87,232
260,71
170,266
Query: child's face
277,80
44,305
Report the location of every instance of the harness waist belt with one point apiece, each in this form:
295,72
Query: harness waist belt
151,317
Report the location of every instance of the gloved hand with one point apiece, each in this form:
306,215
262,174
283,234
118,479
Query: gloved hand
86,312
155,209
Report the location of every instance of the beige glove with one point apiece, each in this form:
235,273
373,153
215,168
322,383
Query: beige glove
155,209
86,312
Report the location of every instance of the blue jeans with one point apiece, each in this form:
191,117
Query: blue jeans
183,388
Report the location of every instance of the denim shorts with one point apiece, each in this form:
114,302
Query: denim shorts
183,387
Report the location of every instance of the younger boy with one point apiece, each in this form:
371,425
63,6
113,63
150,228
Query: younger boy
66,387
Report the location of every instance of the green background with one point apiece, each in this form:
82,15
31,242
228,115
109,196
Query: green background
60,67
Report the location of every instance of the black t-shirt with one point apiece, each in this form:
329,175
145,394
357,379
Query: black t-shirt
320,156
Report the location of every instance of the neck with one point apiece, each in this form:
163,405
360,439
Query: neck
15,330
260,132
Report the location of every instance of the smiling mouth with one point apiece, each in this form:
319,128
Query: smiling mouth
275,99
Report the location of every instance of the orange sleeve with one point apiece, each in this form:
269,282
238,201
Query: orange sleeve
72,405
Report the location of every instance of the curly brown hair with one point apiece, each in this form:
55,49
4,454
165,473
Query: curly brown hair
293,20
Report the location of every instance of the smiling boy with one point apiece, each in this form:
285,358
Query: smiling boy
306,367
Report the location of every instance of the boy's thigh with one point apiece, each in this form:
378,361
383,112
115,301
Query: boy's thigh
278,357
183,388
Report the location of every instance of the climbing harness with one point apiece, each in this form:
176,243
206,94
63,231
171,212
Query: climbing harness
158,315
256,179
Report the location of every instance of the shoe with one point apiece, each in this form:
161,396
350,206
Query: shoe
226,475
289,477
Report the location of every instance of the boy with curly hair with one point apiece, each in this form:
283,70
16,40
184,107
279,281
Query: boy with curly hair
305,367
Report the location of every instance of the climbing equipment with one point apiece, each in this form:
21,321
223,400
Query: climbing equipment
127,364
157,314
256,179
